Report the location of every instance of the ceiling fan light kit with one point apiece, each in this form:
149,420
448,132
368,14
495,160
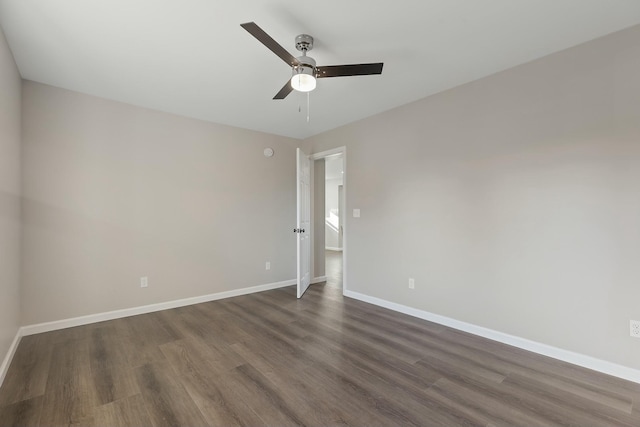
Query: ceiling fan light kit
304,69
303,79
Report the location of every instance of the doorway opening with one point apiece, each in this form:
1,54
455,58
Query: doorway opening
333,218
330,228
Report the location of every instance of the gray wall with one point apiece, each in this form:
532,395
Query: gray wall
10,98
514,201
114,192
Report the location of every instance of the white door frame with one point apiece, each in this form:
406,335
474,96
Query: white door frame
345,247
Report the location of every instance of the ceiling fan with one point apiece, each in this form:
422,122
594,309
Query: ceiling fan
304,69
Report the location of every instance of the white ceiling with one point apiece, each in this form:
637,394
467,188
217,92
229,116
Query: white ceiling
192,58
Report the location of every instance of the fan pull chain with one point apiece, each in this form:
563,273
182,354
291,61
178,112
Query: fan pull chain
308,109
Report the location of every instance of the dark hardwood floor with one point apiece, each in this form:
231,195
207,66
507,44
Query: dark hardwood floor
269,359
333,268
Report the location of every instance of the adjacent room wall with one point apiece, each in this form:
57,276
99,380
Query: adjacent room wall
114,192
318,209
514,200
332,238
10,99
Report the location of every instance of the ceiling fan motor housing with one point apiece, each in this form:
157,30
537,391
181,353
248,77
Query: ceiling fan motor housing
304,42
306,64
305,61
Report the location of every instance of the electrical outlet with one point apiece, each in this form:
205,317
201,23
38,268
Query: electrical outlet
267,265
412,283
144,282
634,328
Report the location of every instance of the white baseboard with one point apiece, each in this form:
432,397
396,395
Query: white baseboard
330,248
117,314
318,279
9,357
585,361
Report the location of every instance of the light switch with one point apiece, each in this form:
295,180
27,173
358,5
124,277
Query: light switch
356,213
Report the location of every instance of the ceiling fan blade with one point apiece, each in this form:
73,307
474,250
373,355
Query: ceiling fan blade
349,70
286,90
270,43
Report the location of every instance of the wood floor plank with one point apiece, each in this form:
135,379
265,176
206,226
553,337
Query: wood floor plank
271,311
505,366
402,405
377,341
225,328
404,373
209,384
600,412
316,379
321,383
22,413
113,379
166,400
596,394
76,333
319,404
256,314
455,370
490,410
266,401
469,386
141,337
253,325
428,344
70,394
537,362
29,370
127,412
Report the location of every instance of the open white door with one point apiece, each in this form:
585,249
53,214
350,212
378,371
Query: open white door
304,221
